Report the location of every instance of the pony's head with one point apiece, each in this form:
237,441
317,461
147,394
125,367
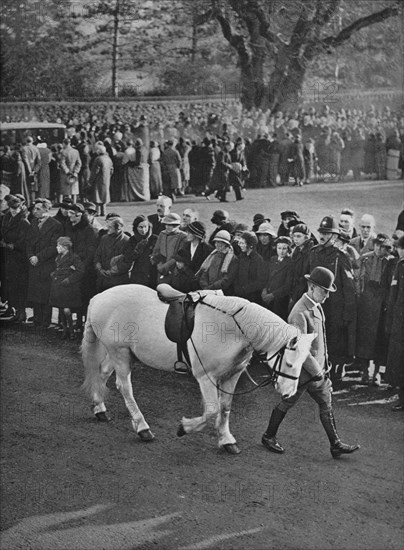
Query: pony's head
294,355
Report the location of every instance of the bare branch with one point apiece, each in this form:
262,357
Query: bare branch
361,23
235,40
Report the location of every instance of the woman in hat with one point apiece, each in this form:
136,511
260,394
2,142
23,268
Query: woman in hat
266,238
276,293
219,269
65,292
375,275
195,246
170,240
14,269
250,275
138,251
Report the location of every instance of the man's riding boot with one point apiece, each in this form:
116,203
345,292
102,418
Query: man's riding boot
337,447
269,438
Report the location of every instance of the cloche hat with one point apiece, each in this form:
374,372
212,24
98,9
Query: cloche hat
222,236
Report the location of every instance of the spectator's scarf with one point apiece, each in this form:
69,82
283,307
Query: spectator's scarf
229,254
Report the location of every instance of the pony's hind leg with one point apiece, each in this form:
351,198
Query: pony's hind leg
226,438
121,360
210,408
99,408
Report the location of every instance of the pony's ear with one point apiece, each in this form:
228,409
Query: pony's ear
292,343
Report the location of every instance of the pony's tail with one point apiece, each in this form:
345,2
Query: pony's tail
93,353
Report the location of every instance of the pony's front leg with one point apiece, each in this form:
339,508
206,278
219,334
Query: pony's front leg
124,385
226,438
210,408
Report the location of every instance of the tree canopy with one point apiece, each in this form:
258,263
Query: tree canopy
267,50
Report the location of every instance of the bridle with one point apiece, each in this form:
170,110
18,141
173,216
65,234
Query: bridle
274,371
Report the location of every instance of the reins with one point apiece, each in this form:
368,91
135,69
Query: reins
274,373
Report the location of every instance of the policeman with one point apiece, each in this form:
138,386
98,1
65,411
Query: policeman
340,309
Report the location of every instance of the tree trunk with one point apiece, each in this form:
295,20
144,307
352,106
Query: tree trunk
115,92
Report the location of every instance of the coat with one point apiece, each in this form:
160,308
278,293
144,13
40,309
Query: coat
65,287
70,164
44,173
360,246
299,268
278,283
213,278
137,257
84,238
340,307
100,179
41,242
109,250
395,328
156,223
297,167
266,251
201,253
309,319
14,276
166,247
250,277
171,163
372,303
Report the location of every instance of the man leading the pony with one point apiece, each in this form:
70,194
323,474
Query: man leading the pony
308,316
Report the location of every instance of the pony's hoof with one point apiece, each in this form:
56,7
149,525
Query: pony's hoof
102,417
181,432
146,435
232,448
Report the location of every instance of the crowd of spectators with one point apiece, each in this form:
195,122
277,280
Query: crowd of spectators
128,152
62,261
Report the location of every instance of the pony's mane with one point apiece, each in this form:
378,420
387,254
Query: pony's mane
262,328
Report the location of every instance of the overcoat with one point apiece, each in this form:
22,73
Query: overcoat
201,253
66,282
110,247
340,307
137,257
278,278
70,163
100,178
41,242
299,268
250,275
372,303
171,161
84,238
166,247
14,276
395,328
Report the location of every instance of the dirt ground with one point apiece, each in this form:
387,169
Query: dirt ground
70,482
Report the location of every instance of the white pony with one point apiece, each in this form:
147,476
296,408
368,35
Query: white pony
129,320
